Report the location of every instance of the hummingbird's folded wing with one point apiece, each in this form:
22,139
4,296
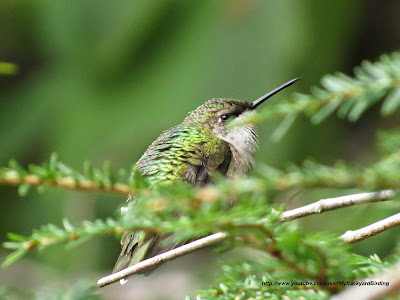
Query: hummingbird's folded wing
135,246
185,152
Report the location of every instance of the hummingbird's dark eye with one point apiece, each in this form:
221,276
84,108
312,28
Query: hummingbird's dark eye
225,117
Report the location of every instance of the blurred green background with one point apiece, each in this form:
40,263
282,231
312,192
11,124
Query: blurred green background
100,80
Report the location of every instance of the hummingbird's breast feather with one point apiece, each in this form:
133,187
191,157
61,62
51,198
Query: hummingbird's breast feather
184,152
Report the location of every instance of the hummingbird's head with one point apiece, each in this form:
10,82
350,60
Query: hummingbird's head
219,114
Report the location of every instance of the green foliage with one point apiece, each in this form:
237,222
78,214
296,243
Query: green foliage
55,173
284,253
349,96
50,234
389,140
7,68
380,175
271,278
368,265
202,211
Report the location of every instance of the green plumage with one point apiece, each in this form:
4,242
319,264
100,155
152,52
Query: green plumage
191,151
180,148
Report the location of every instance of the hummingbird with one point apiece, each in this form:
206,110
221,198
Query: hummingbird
202,144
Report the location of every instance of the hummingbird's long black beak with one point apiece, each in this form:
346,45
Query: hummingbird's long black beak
273,92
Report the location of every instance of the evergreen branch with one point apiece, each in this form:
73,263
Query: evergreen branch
371,230
334,203
384,174
50,235
158,259
143,217
317,207
57,174
11,178
156,208
373,287
349,96
267,278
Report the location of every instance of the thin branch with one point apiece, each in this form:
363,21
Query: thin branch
317,207
334,203
338,90
370,230
374,287
309,175
143,265
13,178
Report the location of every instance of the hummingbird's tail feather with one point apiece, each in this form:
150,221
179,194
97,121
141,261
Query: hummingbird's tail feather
139,245
135,246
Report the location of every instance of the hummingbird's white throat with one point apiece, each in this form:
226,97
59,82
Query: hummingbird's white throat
243,141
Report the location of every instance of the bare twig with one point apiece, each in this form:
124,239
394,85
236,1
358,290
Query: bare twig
370,230
333,203
143,265
374,287
12,178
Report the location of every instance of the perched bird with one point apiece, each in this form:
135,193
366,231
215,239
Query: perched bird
191,151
